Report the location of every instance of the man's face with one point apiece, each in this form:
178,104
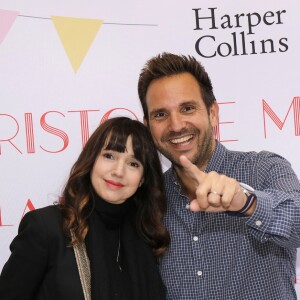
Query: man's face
178,119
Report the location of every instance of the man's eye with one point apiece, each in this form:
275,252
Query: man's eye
159,115
188,108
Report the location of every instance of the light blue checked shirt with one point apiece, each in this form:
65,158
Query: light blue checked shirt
216,256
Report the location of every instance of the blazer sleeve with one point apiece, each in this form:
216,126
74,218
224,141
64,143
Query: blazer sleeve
24,270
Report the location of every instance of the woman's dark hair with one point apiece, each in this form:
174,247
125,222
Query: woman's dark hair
168,64
77,204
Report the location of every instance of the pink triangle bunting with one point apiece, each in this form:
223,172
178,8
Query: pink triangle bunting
7,18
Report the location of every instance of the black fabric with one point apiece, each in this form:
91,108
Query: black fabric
138,278
42,265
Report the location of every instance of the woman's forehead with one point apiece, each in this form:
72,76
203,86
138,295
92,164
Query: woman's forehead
118,142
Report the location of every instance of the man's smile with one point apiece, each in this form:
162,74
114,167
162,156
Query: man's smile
181,140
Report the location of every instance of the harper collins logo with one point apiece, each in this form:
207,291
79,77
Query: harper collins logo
239,32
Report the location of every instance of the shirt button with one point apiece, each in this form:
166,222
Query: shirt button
195,238
187,206
258,223
199,273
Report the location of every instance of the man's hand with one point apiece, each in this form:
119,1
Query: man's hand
214,192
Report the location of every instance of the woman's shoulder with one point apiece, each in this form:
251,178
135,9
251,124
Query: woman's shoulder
47,212
48,218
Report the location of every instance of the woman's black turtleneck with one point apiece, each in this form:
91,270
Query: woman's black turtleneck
105,230
111,225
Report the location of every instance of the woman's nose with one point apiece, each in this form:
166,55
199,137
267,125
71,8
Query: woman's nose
118,168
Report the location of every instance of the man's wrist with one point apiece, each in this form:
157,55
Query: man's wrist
250,203
249,210
248,206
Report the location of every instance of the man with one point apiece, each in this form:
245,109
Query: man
233,217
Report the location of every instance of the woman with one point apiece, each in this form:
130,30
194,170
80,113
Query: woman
103,238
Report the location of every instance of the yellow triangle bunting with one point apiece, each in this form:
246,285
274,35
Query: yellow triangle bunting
76,35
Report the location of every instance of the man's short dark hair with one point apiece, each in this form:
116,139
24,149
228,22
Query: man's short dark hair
168,64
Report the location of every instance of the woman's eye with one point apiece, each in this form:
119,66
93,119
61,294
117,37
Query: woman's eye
134,164
108,155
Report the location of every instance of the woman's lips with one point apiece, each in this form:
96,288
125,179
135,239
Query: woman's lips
114,183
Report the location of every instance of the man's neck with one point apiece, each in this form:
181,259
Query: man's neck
188,186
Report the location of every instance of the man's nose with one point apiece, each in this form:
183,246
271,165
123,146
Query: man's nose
176,122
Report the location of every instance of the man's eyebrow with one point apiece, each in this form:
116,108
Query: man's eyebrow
185,103
189,102
157,110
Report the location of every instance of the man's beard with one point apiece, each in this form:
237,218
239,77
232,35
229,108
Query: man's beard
203,153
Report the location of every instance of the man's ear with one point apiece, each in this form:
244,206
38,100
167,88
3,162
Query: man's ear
145,121
214,114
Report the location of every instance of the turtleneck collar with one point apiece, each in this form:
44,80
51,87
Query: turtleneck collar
112,215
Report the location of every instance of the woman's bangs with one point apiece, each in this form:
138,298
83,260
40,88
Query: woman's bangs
116,141
139,149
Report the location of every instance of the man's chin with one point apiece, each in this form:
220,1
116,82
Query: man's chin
176,162
173,157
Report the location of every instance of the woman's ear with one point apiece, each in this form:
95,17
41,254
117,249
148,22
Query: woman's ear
141,182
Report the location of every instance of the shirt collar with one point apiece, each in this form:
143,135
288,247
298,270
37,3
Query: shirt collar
217,158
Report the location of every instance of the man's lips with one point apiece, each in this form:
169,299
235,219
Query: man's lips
181,140
181,137
114,183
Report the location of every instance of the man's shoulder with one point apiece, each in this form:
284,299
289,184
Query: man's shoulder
252,154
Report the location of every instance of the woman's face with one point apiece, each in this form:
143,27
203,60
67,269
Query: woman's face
116,176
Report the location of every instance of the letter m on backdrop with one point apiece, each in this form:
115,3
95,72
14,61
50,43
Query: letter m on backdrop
267,110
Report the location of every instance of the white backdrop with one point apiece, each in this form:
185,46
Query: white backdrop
53,96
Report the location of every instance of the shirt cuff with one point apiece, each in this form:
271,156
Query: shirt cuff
261,217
